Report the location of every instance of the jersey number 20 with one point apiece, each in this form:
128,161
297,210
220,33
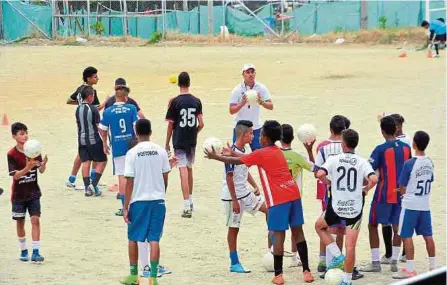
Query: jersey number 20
350,175
188,117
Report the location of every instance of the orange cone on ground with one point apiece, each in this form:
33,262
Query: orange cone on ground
429,53
5,121
403,54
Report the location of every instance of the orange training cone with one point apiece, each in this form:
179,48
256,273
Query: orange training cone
5,121
429,53
402,55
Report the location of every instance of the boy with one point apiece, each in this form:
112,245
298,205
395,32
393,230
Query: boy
437,30
25,191
415,185
119,119
89,78
236,196
185,122
146,170
90,144
345,173
296,164
284,201
399,119
388,158
112,99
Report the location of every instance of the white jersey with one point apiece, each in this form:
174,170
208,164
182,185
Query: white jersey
251,113
146,163
417,176
346,172
240,176
329,148
404,138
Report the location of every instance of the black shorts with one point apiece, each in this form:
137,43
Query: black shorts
19,209
438,38
92,153
332,219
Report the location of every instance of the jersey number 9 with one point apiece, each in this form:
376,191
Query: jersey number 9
122,123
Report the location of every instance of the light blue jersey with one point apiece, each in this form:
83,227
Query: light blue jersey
438,27
119,119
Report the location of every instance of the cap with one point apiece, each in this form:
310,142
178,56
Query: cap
120,81
248,66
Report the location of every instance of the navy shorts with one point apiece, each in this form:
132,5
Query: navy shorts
384,213
255,143
282,216
19,209
146,219
93,152
415,221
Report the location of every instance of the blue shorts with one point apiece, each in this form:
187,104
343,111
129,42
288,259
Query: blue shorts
384,213
412,220
283,215
146,219
255,143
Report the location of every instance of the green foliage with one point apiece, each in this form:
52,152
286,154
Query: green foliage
98,27
155,38
382,22
338,30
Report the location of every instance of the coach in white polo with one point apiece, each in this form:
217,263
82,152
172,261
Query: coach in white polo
241,110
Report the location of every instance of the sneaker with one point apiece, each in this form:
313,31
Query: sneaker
279,280
130,280
404,274
336,261
89,191
356,274
372,267
393,266
162,270
321,267
403,258
36,257
119,213
295,262
24,255
385,260
97,192
322,275
307,277
187,214
238,268
437,56
70,185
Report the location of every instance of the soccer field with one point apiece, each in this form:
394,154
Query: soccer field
84,243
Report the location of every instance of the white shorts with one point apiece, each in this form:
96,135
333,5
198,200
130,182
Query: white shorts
251,204
118,165
185,158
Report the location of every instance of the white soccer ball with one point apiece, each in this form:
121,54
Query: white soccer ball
268,262
32,148
306,133
334,276
252,97
211,143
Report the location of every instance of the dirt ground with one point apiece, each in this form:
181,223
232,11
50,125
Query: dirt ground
84,243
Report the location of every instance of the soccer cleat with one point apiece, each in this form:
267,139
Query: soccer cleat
238,268
336,261
307,277
187,214
321,267
393,266
130,280
279,279
372,267
97,191
162,270
404,274
385,260
36,257
119,213
70,185
89,191
24,255
356,274
437,56
403,258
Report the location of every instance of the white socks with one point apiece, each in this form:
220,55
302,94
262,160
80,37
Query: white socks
190,199
187,204
432,262
36,245
410,265
375,254
143,254
347,277
22,243
396,251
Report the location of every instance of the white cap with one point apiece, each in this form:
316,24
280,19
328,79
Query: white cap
248,66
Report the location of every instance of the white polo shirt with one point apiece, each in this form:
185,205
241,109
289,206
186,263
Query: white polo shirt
146,163
249,112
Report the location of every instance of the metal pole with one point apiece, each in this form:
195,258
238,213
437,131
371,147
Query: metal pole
282,20
364,15
224,7
53,19
210,17
185,5
88,18
1,21
28,20
125,18
163,13
427,10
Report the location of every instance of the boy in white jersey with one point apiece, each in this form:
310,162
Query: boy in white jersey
345,173
236,196
415,185
146,170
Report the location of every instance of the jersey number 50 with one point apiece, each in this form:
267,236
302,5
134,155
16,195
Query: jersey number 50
424,187
188,117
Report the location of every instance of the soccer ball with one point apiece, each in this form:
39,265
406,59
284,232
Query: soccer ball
306,133
268,262
252,97
334,276
211,143
32,148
